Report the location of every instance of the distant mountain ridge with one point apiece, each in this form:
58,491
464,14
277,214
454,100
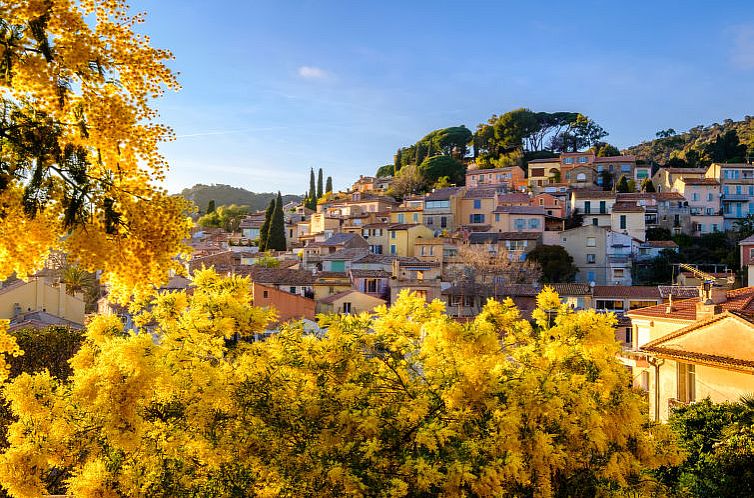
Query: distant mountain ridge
224,195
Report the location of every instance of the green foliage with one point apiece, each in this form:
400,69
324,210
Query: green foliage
320,187
226,217
604,149
745,226
328,184
710,248
622,185
607,179
658,233
312,198
267,261
264,230
225,195
276,236
435,167
574,220
657,271
647,185
719,441
557,265
451,141
385,171
210,206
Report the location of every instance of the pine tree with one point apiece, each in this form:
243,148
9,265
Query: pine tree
211,206
276,235
328,184
319,184
622,185
397,161
264,231
312,197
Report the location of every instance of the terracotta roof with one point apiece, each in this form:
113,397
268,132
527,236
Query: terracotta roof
403,226
330,274
627,207
513,197
376,225
700,181
747,240
737,300
349,254
340,238
540,161
571,289
627,291
670,196
334,297
678,291
497,291
356,273
722,346
615,159
40,319
583,193
279,276
480,192
690,171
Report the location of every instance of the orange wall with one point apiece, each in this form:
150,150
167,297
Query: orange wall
289,306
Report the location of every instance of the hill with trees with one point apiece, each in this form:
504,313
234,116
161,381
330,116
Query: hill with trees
225,195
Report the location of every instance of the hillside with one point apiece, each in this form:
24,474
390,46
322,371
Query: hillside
731,141
201,194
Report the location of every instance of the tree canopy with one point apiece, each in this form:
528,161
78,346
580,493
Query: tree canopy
405,403
435,167
555,262
79,144
226,217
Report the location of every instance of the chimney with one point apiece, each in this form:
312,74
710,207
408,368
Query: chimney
669,308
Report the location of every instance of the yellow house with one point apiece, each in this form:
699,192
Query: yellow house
682,351
476,207
349,302
327,283
406,215
628,218
517,219
36,295
402,237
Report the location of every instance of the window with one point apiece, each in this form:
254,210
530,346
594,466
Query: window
628,339
477,203
497,216
603,207
401,218
623,222
392,234
568,160
591,241
610,304
443,221
436,204
714,227
533,223
393,249
686,383
583,159
591,258
371,285
293,290
738,189
431,250
580,177
375,249
587,207
625,168
476,218
751,255
520,223
424,250
541,202
429,221
538,172
710,196
590,276
618,272
265,294
346,307
416,217
595,221
694,196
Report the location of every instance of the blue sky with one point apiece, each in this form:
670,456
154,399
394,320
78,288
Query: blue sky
272,88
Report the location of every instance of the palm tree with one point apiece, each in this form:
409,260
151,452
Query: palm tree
77,280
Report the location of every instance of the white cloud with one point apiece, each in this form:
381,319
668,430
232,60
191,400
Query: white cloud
312,73
742,52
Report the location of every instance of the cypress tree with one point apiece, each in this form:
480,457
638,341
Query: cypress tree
211,206
312,186
397,161
319,184
328,187
264,231
622,185
276,236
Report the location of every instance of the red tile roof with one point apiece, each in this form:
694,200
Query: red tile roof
615,159
737,300
627,207
627,291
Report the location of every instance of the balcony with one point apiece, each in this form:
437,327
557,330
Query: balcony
735,197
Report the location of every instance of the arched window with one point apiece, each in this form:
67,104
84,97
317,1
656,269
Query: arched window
581,177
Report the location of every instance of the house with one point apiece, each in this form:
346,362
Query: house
517,244
571,160
476,208
366,184
601,255
510,177
543,172
297,282
553,206
403,236
737,184
595,205
288,306
349,302
376,283
420,277
688,349
250,226
628,218
376,236
703,197
665,178
464,301
442,209
37,302
406,215
342,260
337,242
620,299
327,283
618,166
517,219
582,176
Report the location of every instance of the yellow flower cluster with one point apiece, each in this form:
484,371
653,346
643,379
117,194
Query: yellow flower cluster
82,66
403,403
